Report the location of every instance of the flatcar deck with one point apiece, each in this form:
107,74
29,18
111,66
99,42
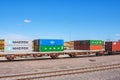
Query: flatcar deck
65,51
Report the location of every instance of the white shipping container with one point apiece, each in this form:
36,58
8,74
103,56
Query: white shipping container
18,42
18,49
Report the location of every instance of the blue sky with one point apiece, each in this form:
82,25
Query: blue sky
62,19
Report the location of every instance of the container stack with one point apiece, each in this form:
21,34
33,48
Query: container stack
33,46
1,45
88,45
18,46
112,46
48,45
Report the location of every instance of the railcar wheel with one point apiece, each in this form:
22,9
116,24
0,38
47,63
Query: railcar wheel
109,53
54,56
72,55
10,57
97,54
39,55
34,55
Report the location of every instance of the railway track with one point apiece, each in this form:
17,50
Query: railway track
32,76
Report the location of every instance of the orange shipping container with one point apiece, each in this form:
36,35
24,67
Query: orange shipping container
1,42
96,47
88,47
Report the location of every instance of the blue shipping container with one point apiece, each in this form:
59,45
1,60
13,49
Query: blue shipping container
51,42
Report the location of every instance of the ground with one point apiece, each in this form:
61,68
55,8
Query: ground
43,65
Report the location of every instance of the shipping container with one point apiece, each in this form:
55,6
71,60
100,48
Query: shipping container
18,48
92,47
88,45
49,42
112,46
18,42
1,42
48,48
36,48
91,42
1,48
96,47
33,46
36,42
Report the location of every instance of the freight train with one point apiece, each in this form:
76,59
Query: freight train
11,49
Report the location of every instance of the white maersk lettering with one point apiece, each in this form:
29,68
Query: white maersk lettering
21,42
20,48
18,42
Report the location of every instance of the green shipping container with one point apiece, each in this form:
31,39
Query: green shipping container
91,42
95,42
49,48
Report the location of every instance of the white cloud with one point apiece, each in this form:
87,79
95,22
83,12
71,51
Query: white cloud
13,36
117,34
27,21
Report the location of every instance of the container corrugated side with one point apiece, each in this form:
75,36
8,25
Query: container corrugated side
18,42
50,48
51,42
108,46
18,48
1,45
116,46
91,42
95,42
89,47
1,42
96,47
1,48
36,48
36,42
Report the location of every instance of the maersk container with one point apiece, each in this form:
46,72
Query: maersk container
18,42
18,48
49,42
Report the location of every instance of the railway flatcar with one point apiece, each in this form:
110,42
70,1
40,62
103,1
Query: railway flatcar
11,49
